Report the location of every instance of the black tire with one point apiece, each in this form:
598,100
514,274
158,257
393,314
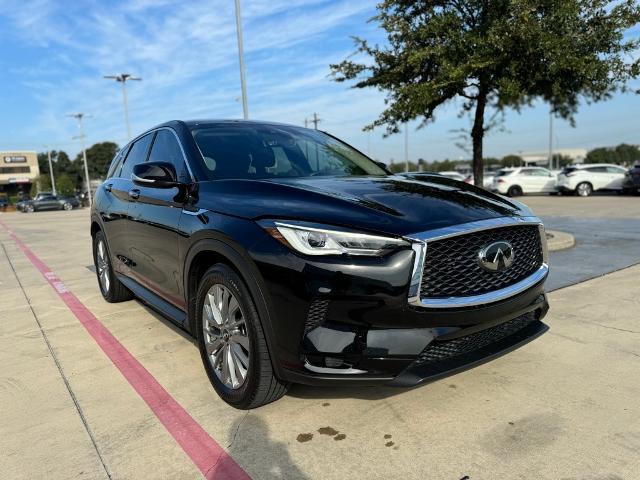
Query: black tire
67,206
29,209
514,191
584,189
115,291
260,386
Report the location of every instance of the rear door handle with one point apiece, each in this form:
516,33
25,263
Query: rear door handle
134,193
108,186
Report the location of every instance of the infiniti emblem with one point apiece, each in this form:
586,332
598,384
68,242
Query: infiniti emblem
496,257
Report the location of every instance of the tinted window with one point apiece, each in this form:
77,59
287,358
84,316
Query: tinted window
615,170
504,173
166,149
267,151
117,162
137,154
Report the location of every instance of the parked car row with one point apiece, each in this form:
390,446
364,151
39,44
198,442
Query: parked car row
47,201
580,180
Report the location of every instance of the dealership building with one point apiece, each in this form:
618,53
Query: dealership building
18,171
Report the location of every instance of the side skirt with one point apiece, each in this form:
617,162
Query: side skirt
160,305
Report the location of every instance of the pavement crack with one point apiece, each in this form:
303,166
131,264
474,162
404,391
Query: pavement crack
614,328
235,434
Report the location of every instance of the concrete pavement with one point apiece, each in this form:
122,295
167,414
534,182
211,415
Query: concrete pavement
565,406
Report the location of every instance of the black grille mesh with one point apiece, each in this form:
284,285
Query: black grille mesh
438,351
452,269
316,314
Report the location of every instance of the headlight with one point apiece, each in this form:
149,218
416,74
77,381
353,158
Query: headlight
321,241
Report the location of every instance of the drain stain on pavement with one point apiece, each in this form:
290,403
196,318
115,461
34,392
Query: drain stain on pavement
304,437
328,431
340,436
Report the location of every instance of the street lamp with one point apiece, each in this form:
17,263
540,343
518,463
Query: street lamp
243,82
123,78
79,117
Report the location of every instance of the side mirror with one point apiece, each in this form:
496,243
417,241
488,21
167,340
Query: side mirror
155,174
382,165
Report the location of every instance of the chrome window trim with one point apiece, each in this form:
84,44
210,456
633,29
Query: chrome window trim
421,244
153,131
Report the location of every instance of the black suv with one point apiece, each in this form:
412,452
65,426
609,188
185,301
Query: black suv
292,257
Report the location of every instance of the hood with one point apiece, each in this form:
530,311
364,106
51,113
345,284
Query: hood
392,204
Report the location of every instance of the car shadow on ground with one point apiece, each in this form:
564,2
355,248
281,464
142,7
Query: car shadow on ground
252,446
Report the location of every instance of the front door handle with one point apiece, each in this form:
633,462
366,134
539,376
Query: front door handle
134,193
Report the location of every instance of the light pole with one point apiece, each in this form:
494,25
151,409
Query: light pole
550,138
406,147
123,78
79,117
243,82
53,181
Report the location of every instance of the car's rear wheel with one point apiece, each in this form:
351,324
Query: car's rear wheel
584,189
113,291
232,342
514,191
67,206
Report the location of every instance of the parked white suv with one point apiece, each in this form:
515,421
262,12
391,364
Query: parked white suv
583,180
516,181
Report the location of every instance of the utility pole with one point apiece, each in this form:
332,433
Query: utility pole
315,120
53,181
406,147
243,82
79,117
123,78
550,138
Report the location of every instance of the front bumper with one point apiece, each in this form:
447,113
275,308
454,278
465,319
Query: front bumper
338,321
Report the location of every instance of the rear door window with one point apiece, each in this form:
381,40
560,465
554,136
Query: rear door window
137,154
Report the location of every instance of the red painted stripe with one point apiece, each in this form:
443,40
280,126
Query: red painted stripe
204,451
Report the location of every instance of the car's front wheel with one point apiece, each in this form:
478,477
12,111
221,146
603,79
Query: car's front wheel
29,209
232,342
514,191
584,189
67,206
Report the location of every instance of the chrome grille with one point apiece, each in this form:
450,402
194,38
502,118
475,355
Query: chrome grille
451,267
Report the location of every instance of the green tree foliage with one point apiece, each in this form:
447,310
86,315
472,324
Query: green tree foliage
511,161
99,157
65,186
562,160
622,154
41,184
494,55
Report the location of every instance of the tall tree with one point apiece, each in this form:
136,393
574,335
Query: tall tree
99,157
494,54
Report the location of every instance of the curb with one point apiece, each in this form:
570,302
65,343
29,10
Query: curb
559,240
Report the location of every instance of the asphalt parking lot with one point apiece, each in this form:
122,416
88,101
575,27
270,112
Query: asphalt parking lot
96,390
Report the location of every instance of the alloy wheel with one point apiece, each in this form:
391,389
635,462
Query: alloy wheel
584,190
225,336
102,262
67,206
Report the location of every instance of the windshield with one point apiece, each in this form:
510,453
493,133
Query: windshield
253,151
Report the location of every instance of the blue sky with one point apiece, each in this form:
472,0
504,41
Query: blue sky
53,56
